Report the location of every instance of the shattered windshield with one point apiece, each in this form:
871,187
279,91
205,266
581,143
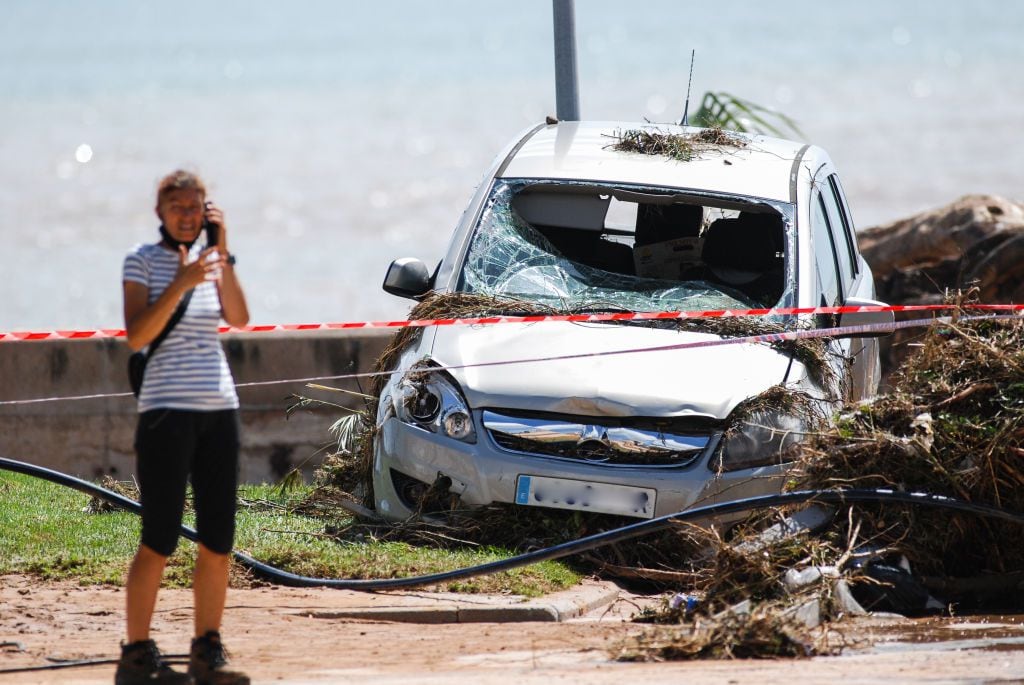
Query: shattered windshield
510,257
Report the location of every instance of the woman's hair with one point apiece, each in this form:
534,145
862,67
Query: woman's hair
179,180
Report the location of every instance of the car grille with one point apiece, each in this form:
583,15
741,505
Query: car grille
605,445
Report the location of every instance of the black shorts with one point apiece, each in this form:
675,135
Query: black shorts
171,445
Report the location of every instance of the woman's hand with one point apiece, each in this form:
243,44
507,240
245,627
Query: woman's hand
143,321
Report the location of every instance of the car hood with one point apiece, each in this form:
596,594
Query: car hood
708,381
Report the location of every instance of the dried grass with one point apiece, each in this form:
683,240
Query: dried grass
952,425
98,505
764,633
682,147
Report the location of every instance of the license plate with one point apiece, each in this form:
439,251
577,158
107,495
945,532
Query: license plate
580,495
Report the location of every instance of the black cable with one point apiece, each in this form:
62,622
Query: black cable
175,659
63,664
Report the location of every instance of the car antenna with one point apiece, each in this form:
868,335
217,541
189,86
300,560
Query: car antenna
686,107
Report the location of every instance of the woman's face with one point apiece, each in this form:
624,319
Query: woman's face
181,212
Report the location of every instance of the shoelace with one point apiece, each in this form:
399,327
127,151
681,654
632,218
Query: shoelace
149,657
218,656
213,653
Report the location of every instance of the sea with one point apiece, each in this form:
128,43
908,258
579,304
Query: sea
340,135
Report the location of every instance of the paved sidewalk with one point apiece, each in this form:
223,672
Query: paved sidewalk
448,607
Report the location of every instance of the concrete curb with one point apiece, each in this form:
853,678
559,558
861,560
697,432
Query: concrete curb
460,608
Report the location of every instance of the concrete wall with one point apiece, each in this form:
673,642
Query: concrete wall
92,437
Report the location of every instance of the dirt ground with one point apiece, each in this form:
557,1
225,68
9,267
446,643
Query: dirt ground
287,635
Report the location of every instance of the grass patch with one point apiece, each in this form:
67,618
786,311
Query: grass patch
47,532
51,532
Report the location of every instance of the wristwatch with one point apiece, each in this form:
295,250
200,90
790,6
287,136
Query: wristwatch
231,259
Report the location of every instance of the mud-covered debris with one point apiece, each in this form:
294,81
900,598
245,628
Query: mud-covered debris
763,633
127,489
682,147
952,425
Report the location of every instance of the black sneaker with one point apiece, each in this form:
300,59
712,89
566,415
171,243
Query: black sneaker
207,661
142,664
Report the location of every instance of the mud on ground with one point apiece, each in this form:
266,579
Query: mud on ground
274,635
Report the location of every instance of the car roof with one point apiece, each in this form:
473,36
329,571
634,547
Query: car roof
582,151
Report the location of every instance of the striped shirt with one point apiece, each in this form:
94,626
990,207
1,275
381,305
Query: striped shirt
188,369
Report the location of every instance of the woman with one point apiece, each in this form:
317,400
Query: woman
188,423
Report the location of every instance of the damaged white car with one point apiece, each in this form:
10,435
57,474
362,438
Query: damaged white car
618,417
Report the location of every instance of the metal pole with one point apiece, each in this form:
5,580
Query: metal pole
567,97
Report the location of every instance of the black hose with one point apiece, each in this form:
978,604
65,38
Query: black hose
77,663
557,551
81,663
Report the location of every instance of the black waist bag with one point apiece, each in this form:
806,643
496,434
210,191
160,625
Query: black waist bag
137,361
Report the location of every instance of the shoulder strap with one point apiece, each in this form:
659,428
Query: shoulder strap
171,323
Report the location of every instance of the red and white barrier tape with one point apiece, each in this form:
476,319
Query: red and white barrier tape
803,334
490,320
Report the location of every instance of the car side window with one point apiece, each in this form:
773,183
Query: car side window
841,229
825,253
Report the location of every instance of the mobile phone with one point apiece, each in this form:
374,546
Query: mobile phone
212,232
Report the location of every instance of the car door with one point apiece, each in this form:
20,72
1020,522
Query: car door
842,275
828,277
864,352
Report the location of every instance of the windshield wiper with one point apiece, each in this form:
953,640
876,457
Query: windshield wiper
601,309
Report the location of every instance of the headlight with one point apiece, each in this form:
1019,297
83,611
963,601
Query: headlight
431,401
760,439
457,423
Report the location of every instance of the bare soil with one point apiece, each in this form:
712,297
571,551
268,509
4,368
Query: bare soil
280,635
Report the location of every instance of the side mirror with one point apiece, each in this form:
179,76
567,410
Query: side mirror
407,277
851,319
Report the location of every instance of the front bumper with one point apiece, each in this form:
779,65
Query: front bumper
483,473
